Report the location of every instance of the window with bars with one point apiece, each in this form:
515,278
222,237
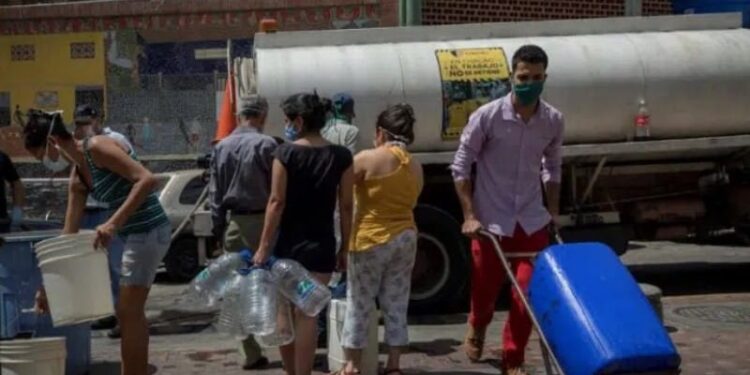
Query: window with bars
22,52
84,50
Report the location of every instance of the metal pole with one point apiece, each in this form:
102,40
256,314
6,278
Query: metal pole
522,296
590,186
633,8
229,74
229,56
186,220
402,12
216,81
410,12
414,12
574,185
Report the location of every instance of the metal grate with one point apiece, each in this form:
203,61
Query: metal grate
22,52
84,50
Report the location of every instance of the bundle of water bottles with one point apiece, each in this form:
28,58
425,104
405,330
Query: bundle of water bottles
257,300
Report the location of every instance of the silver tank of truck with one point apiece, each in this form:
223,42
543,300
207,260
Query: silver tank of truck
693,72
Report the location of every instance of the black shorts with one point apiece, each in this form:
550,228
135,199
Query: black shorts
315,256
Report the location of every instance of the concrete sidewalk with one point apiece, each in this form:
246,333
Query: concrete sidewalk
712,333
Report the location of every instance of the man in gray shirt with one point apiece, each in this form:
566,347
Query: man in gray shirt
88,123
239,189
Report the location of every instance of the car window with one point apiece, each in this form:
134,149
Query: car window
192,191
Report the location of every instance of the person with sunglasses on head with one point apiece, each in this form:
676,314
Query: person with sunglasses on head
514,141
104,168
88,123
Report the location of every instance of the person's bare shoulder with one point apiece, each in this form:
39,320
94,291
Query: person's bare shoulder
364,155
97,142
103,144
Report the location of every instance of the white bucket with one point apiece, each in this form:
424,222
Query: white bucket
77,282
60,251
336,358
33,356
84,238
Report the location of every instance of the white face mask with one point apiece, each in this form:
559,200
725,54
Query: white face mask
55,166
58,165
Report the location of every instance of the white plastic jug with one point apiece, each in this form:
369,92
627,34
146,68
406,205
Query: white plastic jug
336,358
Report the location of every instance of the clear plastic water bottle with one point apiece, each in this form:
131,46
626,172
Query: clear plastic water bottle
257,302
642,121
284,332
229,317
297,285
209,286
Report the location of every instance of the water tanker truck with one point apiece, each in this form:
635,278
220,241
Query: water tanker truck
657,138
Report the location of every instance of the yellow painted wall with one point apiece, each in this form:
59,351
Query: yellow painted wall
51,70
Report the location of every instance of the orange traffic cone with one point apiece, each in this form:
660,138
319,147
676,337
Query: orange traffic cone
226,122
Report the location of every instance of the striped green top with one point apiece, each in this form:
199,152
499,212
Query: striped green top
114,189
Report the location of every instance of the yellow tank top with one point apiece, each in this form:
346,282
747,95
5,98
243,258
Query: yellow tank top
385,205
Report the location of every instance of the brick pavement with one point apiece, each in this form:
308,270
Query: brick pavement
712,333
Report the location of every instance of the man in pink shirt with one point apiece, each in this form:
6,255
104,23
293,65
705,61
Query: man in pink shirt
515,141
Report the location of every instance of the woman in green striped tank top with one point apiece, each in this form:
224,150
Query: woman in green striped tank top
103,168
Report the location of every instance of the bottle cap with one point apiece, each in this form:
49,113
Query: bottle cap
244,271
246,255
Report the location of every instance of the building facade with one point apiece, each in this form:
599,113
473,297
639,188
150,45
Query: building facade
157,65
50,71
440,12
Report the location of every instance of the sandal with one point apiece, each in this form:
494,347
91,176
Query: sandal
393,371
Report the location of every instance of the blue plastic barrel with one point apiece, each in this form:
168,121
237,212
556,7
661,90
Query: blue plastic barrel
594,314
21,278
714,6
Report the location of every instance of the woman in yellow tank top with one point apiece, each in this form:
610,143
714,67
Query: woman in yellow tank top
384,238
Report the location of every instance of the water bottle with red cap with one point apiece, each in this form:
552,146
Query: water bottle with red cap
642,121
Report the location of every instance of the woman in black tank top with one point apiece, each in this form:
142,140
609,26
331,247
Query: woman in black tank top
308,176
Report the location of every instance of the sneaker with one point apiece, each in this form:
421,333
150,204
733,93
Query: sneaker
474,343
104,323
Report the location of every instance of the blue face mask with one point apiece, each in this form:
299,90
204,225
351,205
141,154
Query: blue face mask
290,132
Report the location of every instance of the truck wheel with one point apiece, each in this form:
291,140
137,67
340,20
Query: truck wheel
441,270
182,262
742,230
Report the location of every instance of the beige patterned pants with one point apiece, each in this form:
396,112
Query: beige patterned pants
383,272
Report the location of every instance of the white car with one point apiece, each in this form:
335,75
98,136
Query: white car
179,192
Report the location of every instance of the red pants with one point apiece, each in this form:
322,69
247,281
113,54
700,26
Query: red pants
487,278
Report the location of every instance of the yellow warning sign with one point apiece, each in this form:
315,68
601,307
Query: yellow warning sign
470,78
